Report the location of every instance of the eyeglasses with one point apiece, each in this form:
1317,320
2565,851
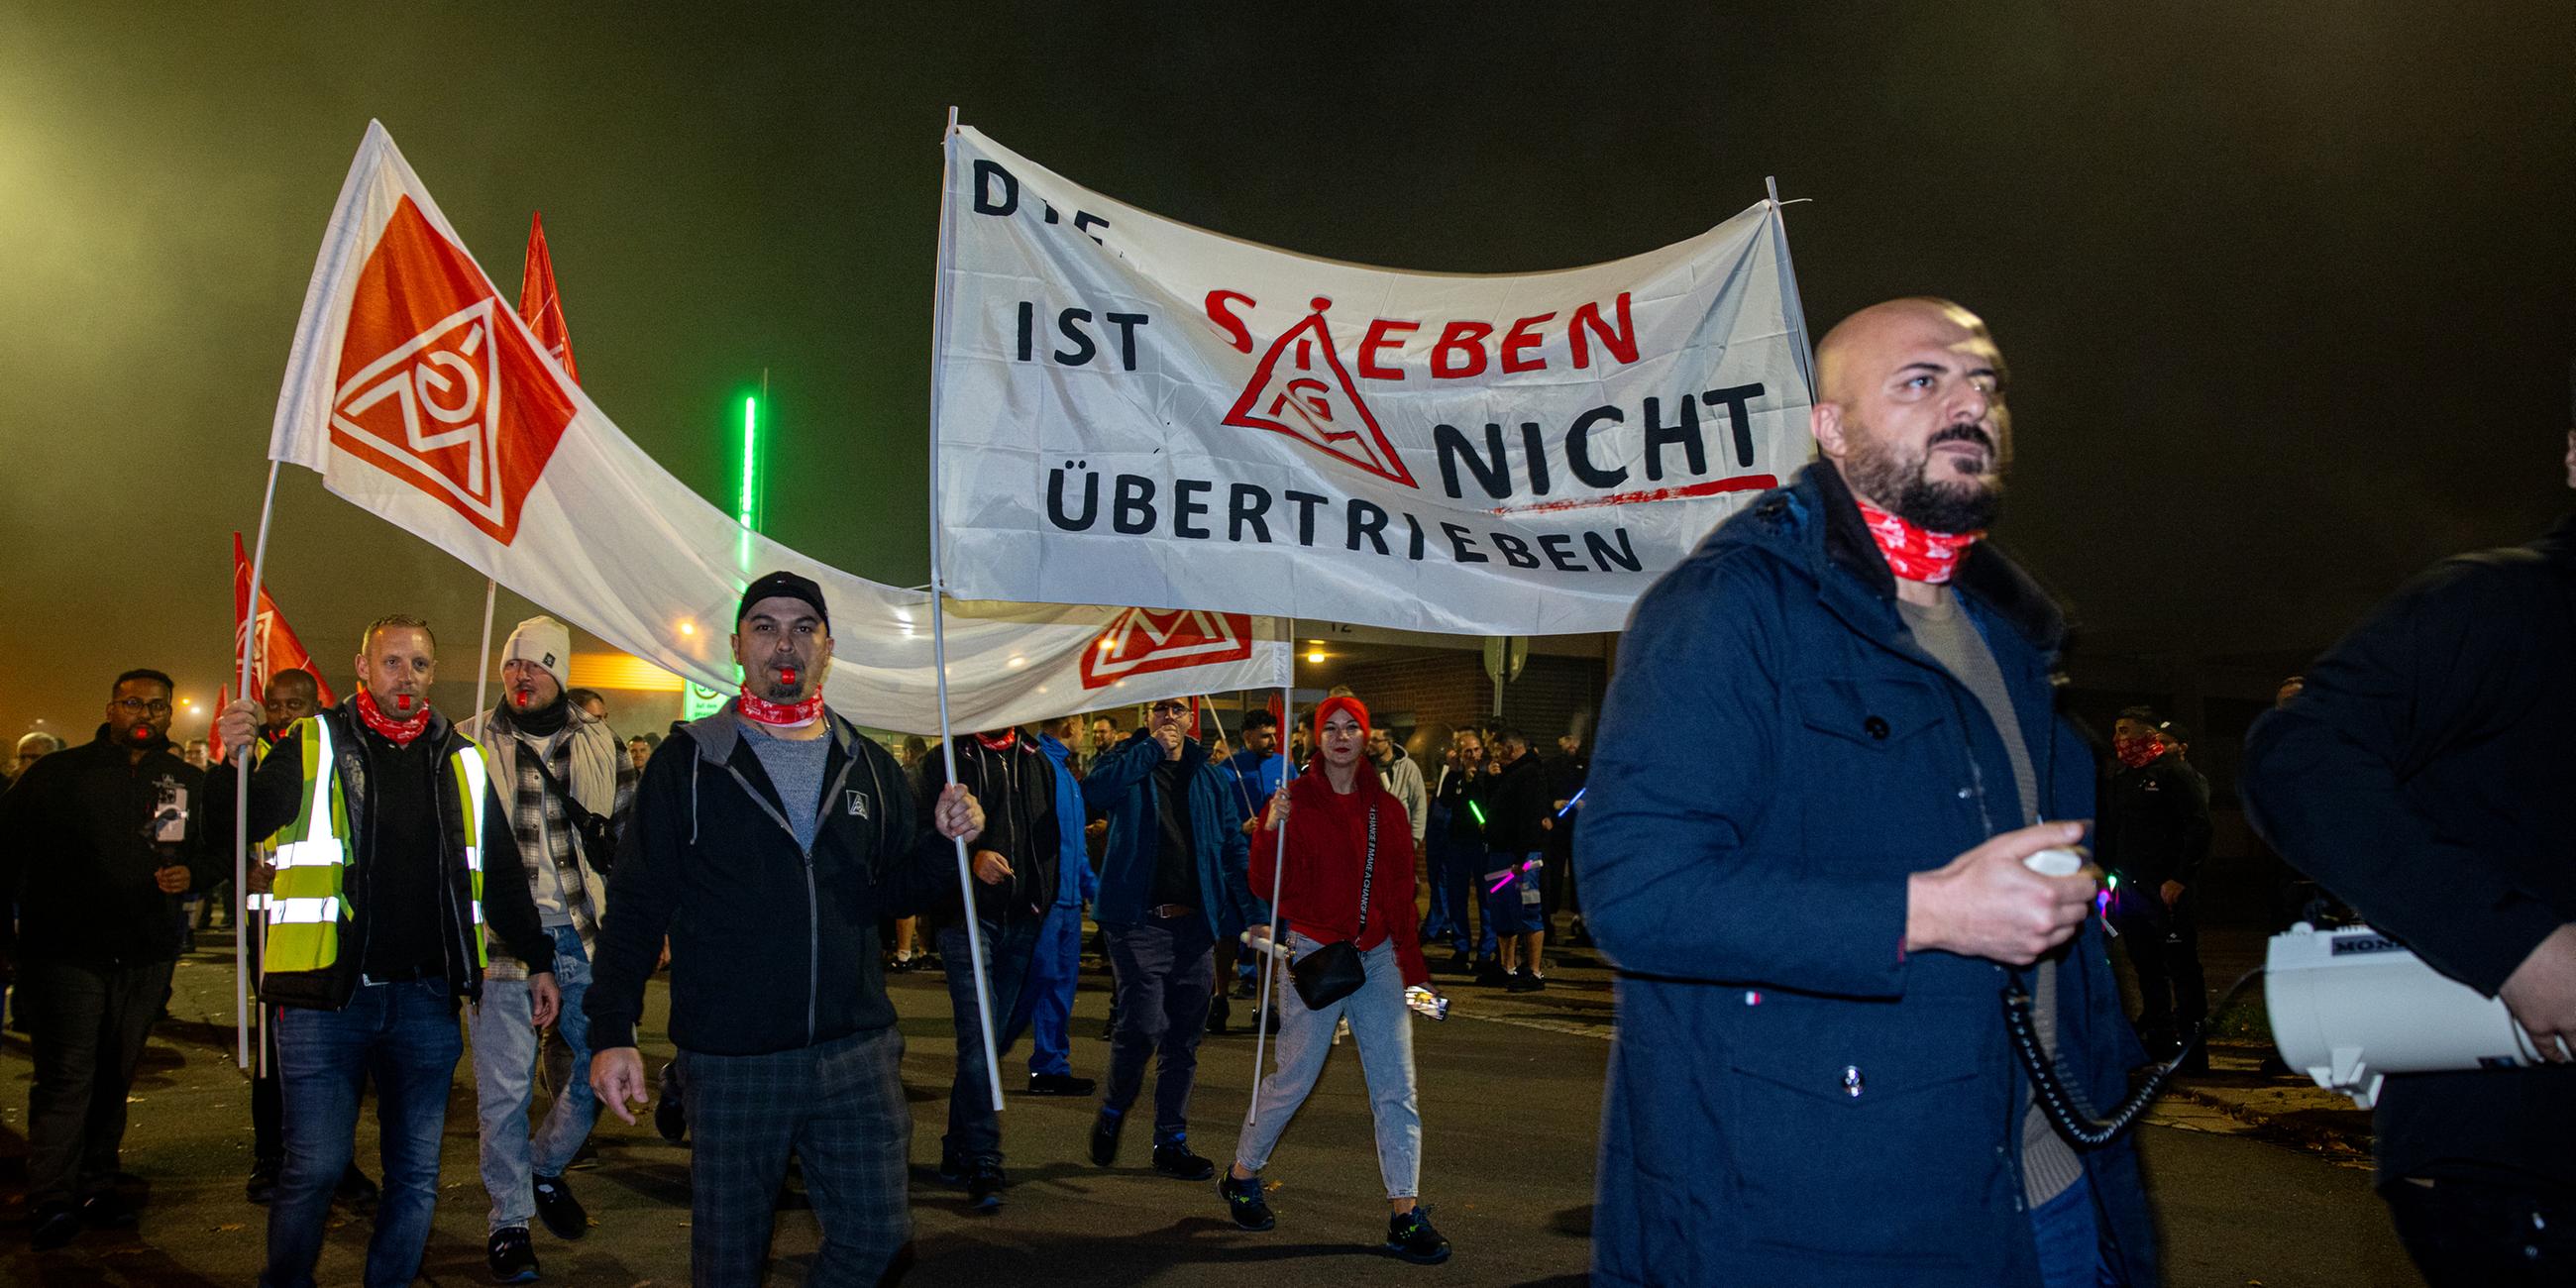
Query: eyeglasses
137,706
1170,708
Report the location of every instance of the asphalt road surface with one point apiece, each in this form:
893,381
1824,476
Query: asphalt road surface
1511,1103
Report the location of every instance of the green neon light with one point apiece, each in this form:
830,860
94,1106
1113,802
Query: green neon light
750,460
1478,811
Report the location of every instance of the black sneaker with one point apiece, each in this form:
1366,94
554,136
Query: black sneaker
1104,1138
1526,981
263,1182
984,1187
1243,1202
53,1225
1217,1010
1409,1235
357,1191
560,1210
1489,973
1059,1084
1176,1160
670,1116
108,1209
953,1168
512,1258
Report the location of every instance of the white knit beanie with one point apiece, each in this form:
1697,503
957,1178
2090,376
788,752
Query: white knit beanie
544,641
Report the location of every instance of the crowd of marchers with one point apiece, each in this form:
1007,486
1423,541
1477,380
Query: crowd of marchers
1863,905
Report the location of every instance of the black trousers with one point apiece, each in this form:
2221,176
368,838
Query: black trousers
87,1025
2465,1234
2164,950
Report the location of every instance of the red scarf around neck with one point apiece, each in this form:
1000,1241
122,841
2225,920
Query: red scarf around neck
1010,738
398,732
1913,553
785,715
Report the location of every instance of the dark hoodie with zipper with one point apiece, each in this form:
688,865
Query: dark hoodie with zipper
362,761
773,945
1016,786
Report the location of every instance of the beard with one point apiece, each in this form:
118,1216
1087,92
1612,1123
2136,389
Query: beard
1902,481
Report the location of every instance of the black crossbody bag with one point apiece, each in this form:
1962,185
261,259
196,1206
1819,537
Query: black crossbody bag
1335,970
598,840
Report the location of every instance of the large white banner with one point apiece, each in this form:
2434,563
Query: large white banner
1133,410
418,394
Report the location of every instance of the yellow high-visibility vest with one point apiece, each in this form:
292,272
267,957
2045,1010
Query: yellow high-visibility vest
309,901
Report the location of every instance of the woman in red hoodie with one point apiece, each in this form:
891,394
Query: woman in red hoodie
1342,886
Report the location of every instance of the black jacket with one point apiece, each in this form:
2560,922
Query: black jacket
77,852
1516,802
1016,786
2424,776
773,947
1459,789
277,794
2155,825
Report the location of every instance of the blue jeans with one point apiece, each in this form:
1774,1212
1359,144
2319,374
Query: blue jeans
1382,1028
974,1130
405,1036
1053,972
1456,865
2069,1239
1165,969
505,1061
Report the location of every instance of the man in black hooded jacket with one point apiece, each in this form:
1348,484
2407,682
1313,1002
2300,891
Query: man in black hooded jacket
2424,774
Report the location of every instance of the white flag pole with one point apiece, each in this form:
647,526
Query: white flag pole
1789,287
939,628
242,765
483,656
1278,870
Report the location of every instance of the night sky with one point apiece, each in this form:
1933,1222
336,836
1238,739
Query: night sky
2286,289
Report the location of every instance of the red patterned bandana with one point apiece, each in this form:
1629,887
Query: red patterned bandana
2138,751
1914,553
785,715
398,732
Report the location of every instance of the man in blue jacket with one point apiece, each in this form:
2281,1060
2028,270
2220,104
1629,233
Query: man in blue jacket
1174,881
1815,888
1058,964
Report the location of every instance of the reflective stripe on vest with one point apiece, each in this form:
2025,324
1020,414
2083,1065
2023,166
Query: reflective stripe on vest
471,779
308,900
305,905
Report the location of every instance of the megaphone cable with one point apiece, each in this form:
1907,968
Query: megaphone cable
2060,1104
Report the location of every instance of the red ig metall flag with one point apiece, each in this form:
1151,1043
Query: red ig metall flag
275,648
540,304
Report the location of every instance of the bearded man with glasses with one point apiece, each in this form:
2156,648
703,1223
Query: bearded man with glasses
97,844
1173,882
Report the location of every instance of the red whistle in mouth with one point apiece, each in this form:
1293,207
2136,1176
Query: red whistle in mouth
140,733
402,702
787,673
523,700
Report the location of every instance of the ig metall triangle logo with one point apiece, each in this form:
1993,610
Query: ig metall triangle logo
1301,390
1140,640
435,389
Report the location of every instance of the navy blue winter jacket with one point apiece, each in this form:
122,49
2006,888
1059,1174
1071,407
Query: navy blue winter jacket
1121,786
1793,1099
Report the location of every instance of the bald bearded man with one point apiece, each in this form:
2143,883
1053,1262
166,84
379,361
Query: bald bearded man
1815,888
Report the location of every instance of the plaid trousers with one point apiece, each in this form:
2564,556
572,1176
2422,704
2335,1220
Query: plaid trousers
838,1106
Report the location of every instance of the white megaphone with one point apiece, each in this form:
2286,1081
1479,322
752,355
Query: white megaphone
2350,1006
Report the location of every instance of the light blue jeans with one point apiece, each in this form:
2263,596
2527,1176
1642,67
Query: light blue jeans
505,1063
1382,1028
